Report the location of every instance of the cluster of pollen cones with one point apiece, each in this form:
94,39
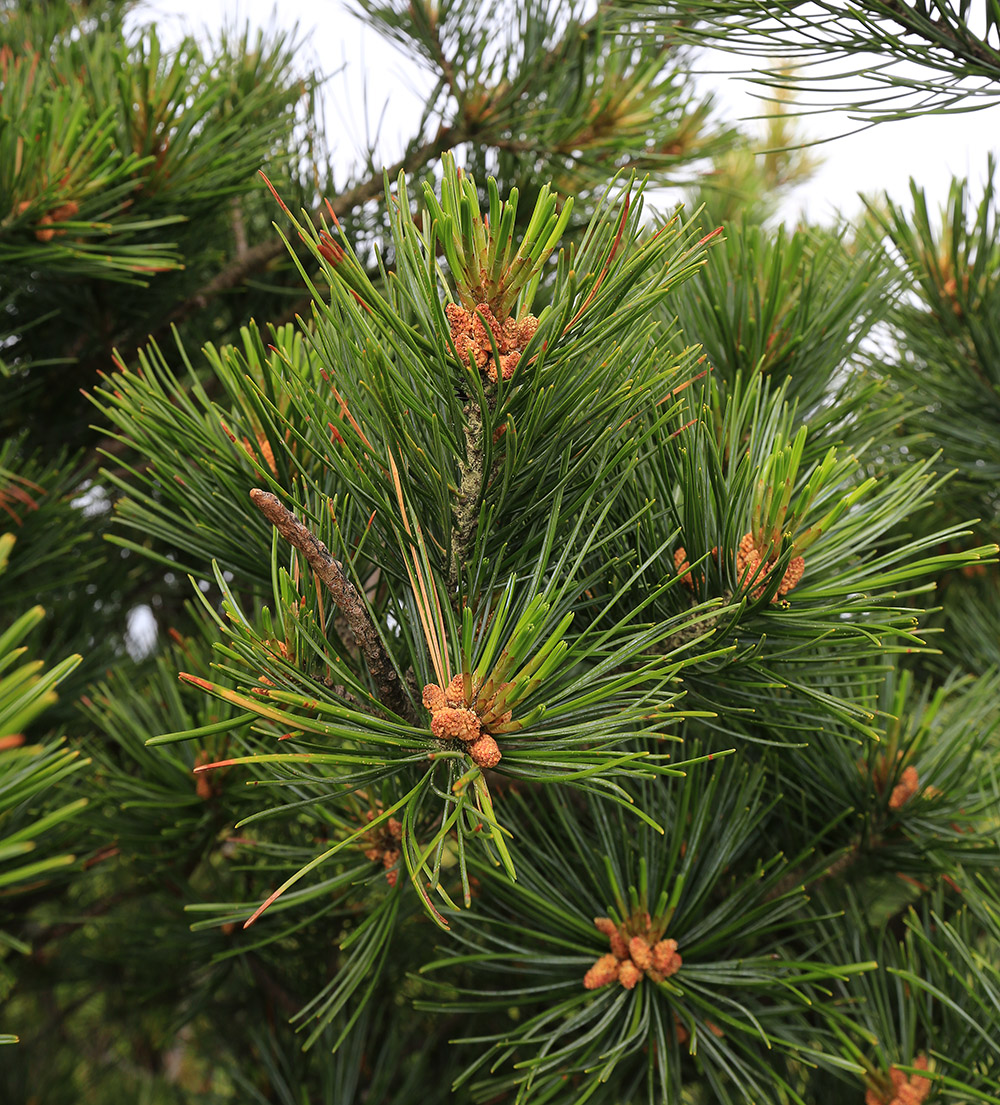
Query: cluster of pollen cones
471,337
904,1089
383,844
45,231
750,566
906,788
632,956
459,712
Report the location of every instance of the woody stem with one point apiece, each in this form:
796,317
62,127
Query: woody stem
465,513
345,595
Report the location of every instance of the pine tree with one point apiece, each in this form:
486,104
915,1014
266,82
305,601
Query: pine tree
933,55
558,713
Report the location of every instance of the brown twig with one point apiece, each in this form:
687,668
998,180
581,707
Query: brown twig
258,257
957,39
345,595
465,510
238,225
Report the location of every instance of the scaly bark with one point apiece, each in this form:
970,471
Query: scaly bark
466,513
390,690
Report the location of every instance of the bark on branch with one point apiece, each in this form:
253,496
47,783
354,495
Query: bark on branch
345,595
465,512
256,258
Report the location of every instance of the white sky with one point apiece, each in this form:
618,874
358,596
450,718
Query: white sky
881,158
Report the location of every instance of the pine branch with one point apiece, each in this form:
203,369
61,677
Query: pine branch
470,488
949,35
238,225
346,596
959,65
258,257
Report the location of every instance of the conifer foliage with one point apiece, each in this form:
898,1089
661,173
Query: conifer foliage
560,709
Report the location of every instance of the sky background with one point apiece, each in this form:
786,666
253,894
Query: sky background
369,76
